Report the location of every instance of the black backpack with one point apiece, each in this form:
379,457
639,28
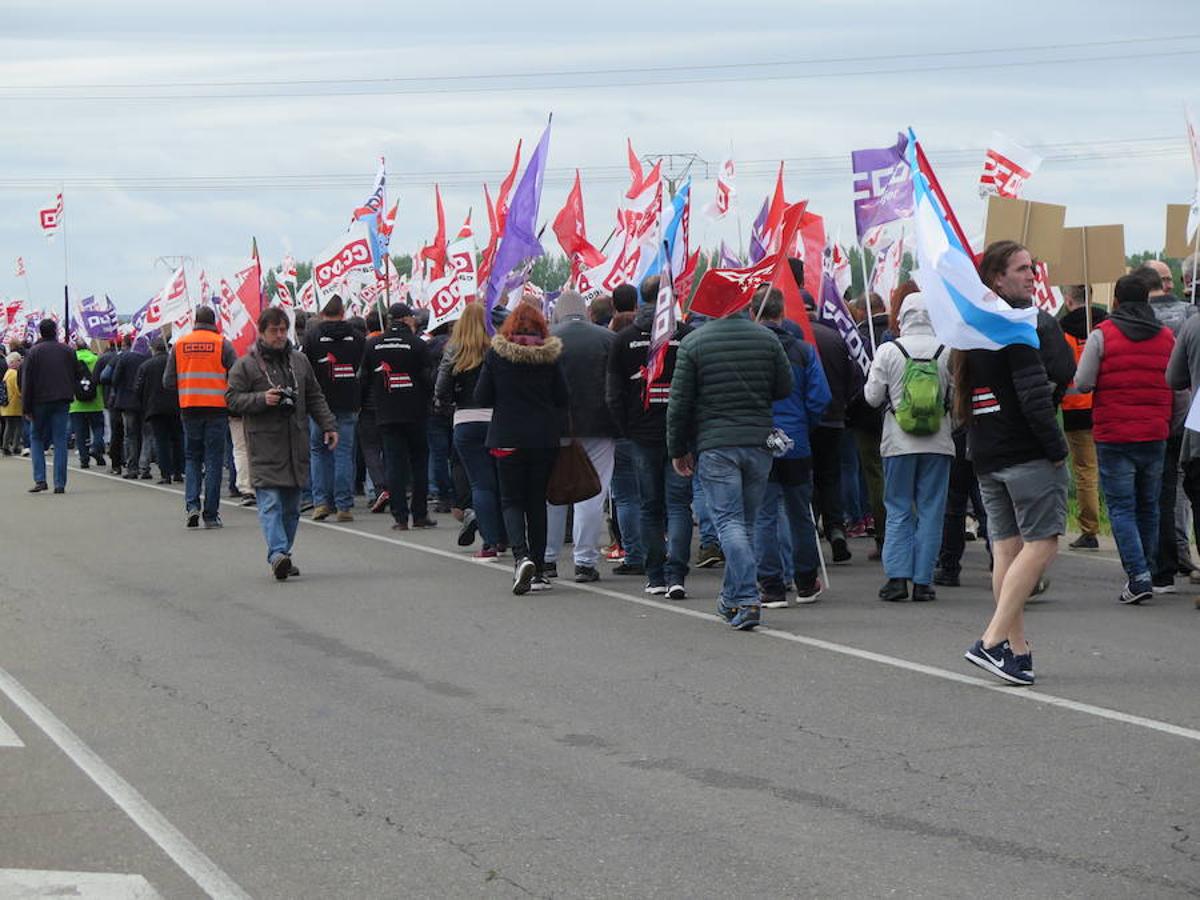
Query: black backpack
85,385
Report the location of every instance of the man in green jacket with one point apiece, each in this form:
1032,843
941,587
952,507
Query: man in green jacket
87,416
727,375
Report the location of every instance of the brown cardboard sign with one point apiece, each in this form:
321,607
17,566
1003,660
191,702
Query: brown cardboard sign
1179,243
1039,226
1094,254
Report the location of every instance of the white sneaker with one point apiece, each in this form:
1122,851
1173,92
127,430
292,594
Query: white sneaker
655,589
676,592
539,584
1163,588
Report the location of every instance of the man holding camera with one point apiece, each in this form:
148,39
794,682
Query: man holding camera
274,390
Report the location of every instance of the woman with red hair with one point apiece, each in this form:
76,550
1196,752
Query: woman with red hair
522,381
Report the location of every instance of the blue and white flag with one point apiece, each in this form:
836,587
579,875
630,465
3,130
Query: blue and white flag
672,241
965,314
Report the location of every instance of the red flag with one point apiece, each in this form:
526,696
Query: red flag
502,194
638,179
781,276
466,231
775,215
485,264
683,281
436,251
810,242
571,232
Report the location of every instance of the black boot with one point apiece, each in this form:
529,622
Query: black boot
894,590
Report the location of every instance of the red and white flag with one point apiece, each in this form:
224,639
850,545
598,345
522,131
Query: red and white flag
1045,295
288,270
283,294
1006,167
446,302
306,297
726,192
236,324
20,267
50,218
171,302
205,289
886,275
461,257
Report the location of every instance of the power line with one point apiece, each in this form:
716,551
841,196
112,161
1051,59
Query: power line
611,71
856,72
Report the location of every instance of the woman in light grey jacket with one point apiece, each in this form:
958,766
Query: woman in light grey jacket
911,377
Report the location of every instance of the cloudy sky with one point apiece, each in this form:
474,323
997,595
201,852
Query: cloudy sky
183,129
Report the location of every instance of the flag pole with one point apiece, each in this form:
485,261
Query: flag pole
862,262
66,276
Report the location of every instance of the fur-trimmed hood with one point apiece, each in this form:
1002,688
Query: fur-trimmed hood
527,354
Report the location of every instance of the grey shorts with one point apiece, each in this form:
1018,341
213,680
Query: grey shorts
1028,499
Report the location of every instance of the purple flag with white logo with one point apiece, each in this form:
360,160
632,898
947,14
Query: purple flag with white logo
883,190
758,241
728,259
98,318
833,310
519,241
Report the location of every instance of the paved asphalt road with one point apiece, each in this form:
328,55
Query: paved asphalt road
395,723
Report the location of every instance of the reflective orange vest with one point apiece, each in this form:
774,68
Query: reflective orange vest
1073,398
201,375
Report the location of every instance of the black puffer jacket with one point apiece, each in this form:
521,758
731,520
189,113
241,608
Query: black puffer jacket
124,377
523,383
585,351
843,374
396,367
625,388
153,398
335,351
1013,418
454,390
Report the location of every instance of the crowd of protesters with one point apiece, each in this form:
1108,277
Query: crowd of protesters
769,444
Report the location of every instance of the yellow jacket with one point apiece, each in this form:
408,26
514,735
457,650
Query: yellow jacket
14,395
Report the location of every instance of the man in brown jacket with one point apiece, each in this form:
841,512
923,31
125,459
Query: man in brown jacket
274,390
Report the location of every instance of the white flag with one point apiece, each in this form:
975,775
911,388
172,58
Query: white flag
50,218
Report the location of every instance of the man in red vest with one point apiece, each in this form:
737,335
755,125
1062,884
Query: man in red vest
199,366
1124,365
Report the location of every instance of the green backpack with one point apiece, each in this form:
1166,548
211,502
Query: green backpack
921,403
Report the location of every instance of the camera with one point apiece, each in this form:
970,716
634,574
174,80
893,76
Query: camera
287,399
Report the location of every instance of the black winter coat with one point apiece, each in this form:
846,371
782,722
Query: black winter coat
525,387
335,351
153,398
396,368
625,388
48,374
843,374
124,377
585,351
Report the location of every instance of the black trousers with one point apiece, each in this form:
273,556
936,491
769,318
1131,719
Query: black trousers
1167,561
1191,487
963,488
116,438
827,478
523,477
168,443
406,460
370,445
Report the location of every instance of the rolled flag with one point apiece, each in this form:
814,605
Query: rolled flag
726,192
883,188
1006,167
965,314
19,270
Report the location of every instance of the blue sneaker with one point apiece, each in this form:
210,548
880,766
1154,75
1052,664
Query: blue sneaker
725,612
999,661
1024,662
747,618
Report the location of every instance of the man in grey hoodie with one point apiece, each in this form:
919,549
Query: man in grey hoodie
586,348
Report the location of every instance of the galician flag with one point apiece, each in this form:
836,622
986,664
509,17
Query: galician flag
965,314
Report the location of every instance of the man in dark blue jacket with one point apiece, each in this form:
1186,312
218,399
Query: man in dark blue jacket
790,483
47,378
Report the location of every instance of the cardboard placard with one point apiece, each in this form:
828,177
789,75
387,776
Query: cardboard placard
1039,226
1094,254
1179,243
1102,295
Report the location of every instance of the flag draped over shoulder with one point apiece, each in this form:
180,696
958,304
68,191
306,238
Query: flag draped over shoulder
965,314
519,241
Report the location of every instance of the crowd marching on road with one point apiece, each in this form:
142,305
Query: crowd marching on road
769,443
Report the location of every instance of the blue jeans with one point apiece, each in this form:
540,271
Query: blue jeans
440,431
333,470
785,523
626,504
481,473
664,494
1130,476
89,434
204,458
734,480
704,519
50,421
854,496
914,494
279,516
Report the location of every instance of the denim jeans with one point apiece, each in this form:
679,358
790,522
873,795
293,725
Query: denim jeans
440,431
333,470
734,480
854,495
50,421
279,516
1130,476
626,503
131,420
785,523
481,473
204,455
664,494
89,434
704,519
914,492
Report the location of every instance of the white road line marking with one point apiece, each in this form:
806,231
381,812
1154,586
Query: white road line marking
186,855
85,885
1016,693
8,737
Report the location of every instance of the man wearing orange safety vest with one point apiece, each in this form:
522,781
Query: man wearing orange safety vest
1077,422
199,366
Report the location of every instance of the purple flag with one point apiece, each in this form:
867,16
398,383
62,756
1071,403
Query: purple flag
519,241
98,318
758,246
728,259
834,311
883,190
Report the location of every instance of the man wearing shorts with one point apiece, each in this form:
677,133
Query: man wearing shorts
1007,401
